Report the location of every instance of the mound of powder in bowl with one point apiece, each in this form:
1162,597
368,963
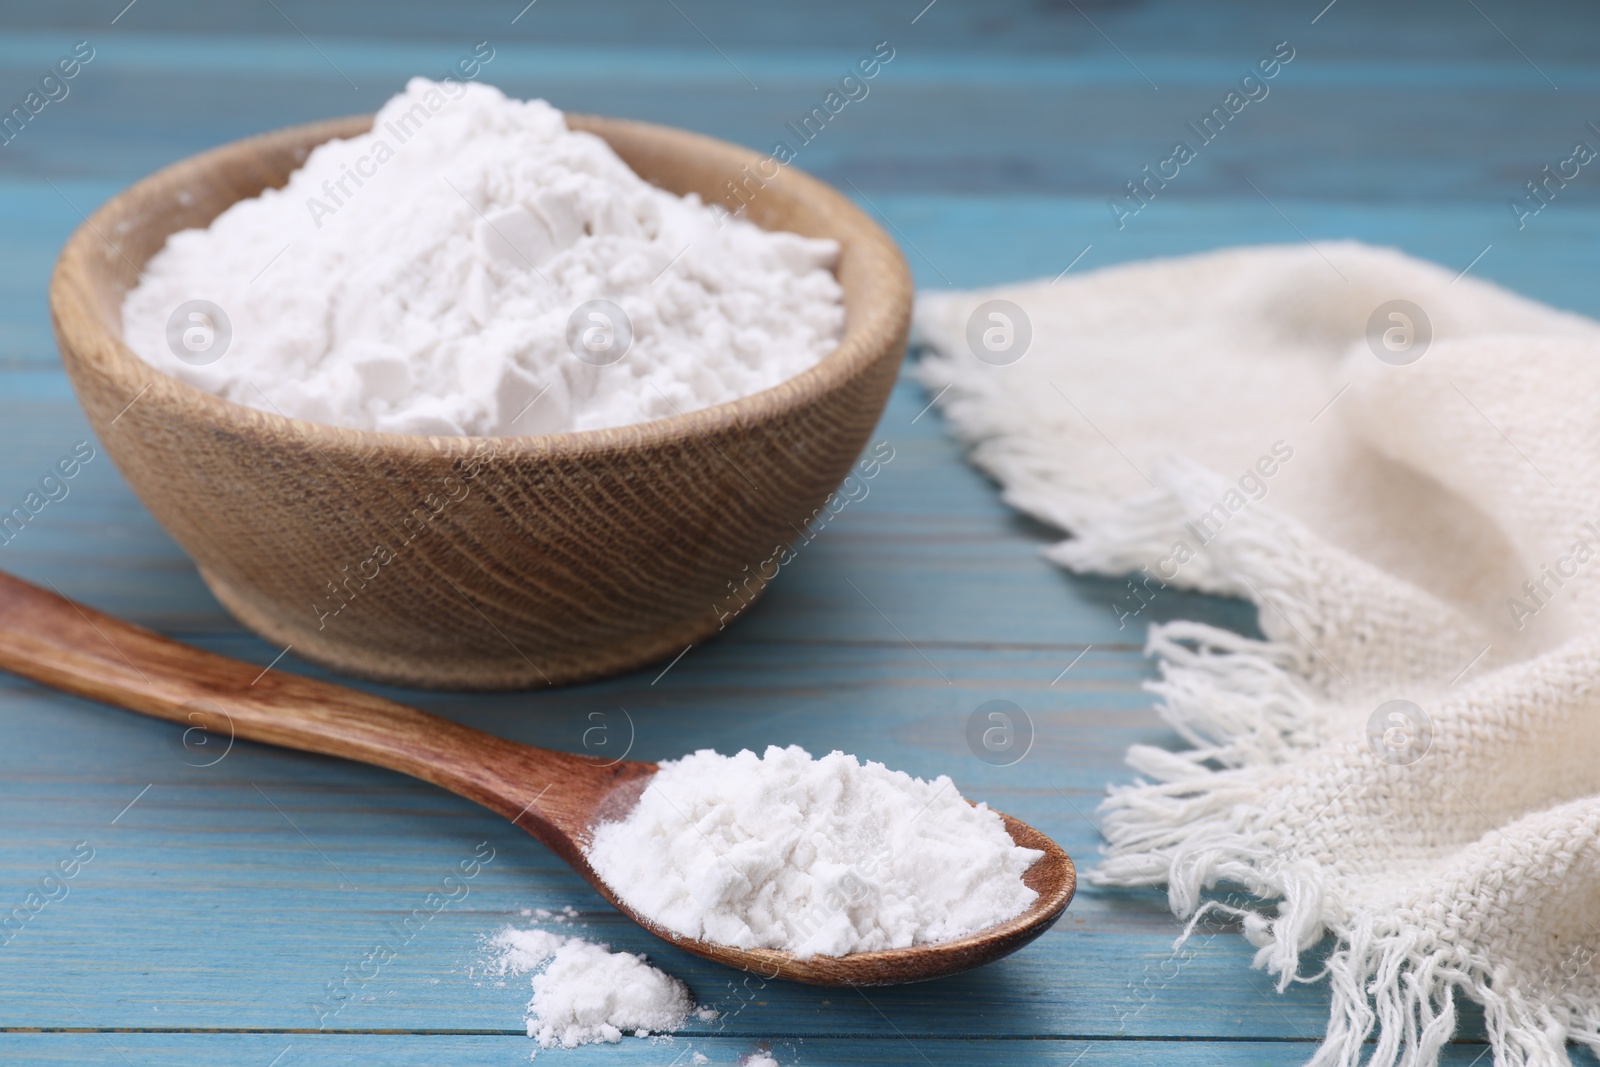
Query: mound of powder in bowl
472,266
813,856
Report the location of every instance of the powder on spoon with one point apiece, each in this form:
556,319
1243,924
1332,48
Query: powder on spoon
438,276
584,993
813,856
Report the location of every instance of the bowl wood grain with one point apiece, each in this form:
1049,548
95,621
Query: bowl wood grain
479,562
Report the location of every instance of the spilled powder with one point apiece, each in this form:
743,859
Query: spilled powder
436,276
584,993
821,856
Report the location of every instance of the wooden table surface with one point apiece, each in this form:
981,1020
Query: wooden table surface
222,900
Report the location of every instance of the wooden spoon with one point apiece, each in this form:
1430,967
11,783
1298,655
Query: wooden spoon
558,797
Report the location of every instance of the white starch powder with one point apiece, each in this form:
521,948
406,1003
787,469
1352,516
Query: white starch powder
813,856
584,993
460,270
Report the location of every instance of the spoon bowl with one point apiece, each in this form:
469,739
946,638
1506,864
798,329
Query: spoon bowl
558,797
1052,876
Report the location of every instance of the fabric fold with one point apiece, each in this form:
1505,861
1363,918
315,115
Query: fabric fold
1401,469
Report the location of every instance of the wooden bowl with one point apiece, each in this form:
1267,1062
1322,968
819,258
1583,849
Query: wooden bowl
511,561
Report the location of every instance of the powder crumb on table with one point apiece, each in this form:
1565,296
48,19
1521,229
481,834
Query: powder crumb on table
584,993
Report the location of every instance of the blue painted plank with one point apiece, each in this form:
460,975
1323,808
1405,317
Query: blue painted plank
1546,29
919,130
1070,116
303,1050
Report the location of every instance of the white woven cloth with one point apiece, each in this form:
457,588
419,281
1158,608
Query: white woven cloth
1420,528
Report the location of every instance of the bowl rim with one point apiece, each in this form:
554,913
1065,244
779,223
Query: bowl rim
876,325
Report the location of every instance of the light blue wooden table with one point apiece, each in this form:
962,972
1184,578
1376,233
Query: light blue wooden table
221,900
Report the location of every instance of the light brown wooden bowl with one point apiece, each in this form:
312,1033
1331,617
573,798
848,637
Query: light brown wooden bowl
571,556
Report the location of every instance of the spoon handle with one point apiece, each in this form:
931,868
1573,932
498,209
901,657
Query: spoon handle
56,641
